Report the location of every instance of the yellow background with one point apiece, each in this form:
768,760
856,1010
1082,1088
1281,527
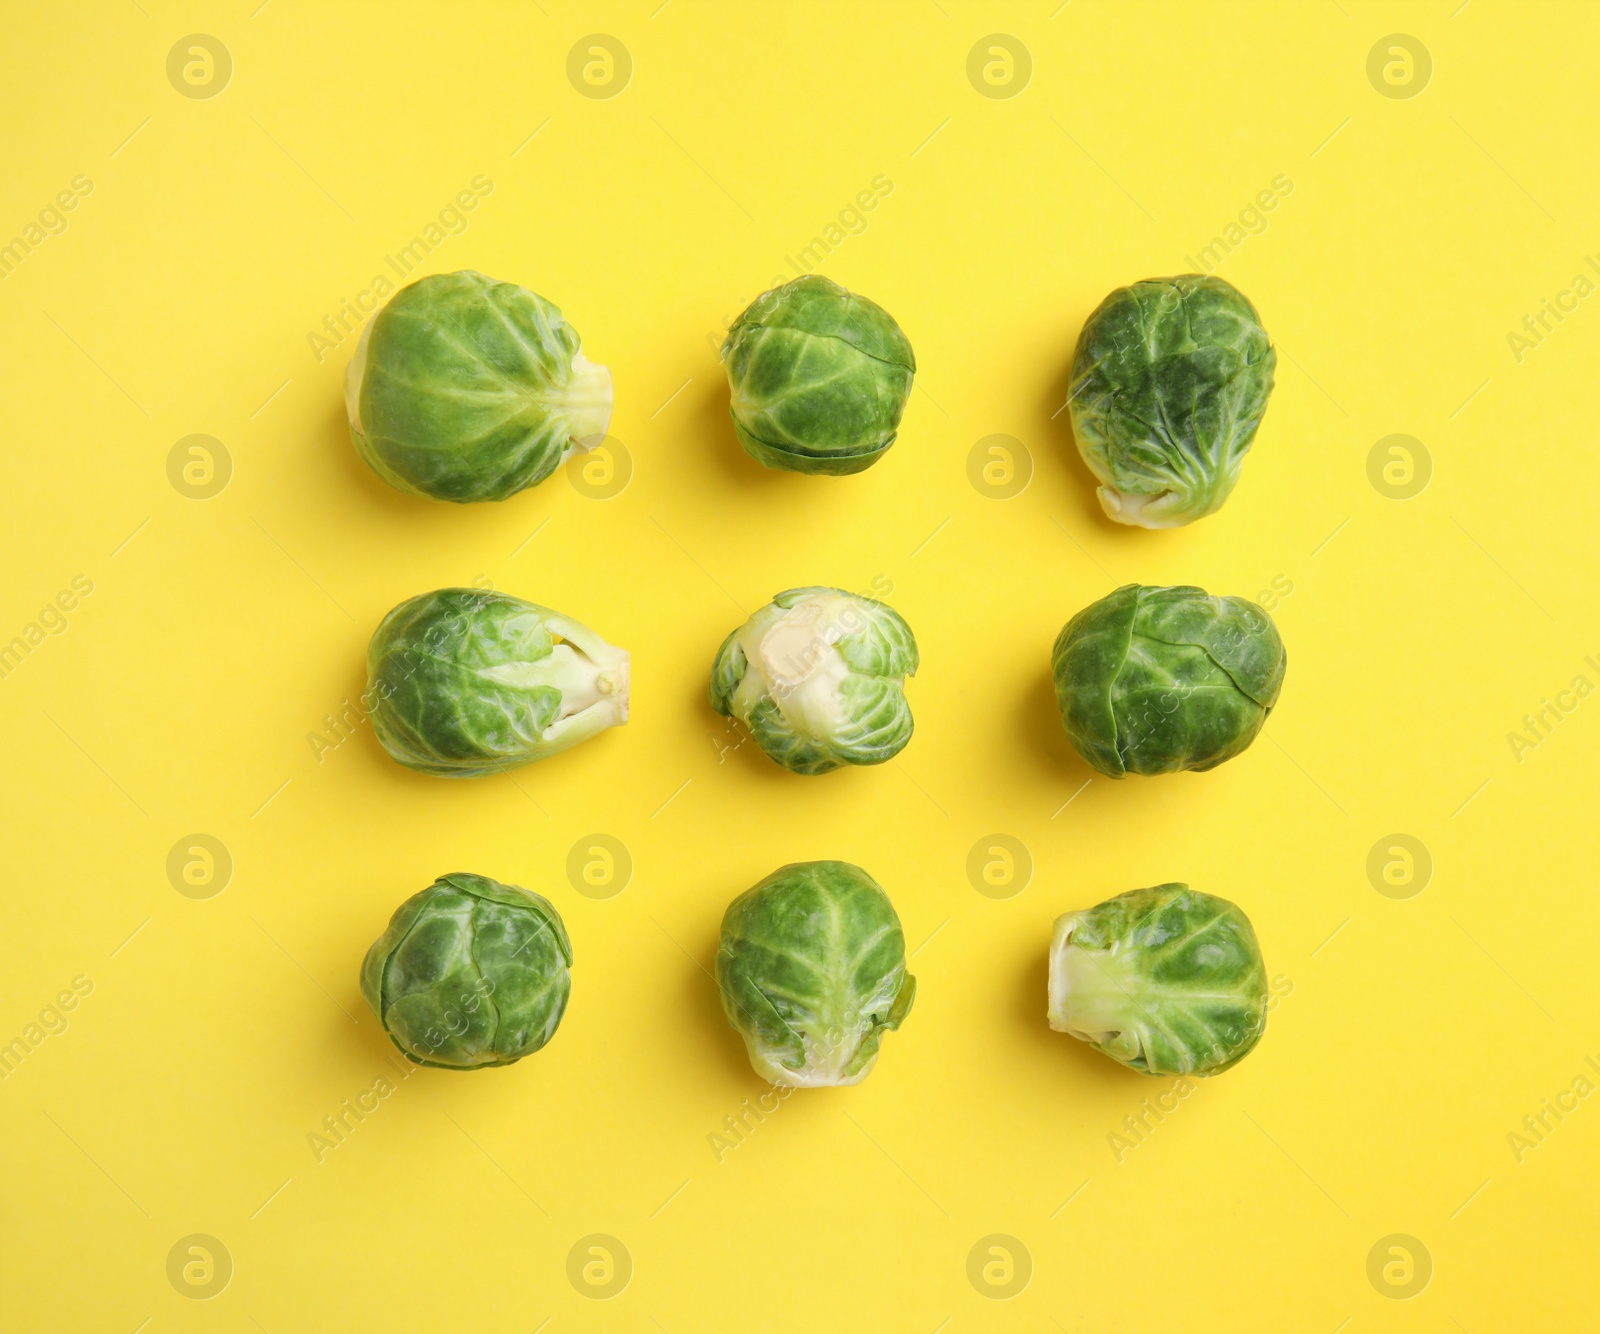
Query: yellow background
1415,1034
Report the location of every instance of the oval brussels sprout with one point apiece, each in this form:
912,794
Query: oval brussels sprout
1169,382
819,378
818,676
470,973
463,388
463,682
1155,680
1167,980
812,969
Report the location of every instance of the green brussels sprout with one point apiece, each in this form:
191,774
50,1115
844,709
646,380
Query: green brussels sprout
463,388
818,676
463,682
812,970
1156,680
1167,980
1169,382
470,973
819,378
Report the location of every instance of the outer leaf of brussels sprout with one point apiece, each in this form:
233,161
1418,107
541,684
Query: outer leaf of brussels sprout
812,971
470,973
1157,680
1166,980
463,682
818,677
818,376
1169,383
463,388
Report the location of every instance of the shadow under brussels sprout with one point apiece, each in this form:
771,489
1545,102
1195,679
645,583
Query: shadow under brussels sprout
1067,1063
712,430
1056,427
1041,733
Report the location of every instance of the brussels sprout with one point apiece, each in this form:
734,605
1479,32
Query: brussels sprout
1169,383
819,378
464,682
812,969
1167,980
818,676
1155,680
470,973
463,388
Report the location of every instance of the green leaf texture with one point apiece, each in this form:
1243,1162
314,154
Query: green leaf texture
1158,680
850,708
468,389
463,682
470,973
1169,383
812,971
818,377
1166,980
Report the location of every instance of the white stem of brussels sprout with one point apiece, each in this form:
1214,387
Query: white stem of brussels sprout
594,694
800,667
824,1063
1143,511
592,676
1088,998
587,400
599,676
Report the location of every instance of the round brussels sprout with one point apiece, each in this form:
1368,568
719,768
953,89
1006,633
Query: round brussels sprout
463,388
1167,981
463,682
812,969
818,676
1155,680
470,973
819,378
1169,382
